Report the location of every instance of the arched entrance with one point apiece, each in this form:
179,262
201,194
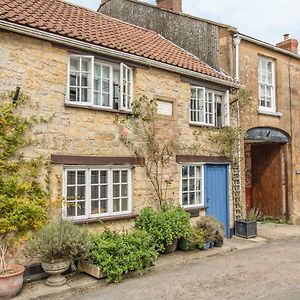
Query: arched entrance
266,170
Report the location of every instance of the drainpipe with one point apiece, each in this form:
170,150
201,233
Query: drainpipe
236,43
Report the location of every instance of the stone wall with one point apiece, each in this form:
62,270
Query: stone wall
40,69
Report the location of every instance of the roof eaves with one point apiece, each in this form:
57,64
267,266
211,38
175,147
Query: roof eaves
52,37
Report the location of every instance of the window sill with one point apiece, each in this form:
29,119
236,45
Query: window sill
192,208
68,104
270,113
106,219
206,126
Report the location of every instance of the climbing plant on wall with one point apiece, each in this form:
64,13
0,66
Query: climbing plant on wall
24,191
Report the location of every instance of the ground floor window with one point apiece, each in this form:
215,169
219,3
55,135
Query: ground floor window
192,181
95,192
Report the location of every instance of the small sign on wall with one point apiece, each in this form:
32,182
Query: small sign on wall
164,108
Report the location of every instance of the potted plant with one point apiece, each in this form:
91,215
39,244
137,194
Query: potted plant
165,226
59,245
211,227
247,228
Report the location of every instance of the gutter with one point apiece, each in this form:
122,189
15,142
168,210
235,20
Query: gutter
266,45
106,51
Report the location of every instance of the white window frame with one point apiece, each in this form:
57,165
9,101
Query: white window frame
225,112
88,202
123,77
265,84
202,165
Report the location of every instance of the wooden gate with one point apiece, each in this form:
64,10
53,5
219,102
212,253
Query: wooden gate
267,189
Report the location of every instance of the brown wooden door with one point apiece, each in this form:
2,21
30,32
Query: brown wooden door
267,190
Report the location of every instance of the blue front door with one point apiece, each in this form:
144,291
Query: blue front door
216,193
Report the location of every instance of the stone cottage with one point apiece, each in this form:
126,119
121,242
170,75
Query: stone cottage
80,69
270,168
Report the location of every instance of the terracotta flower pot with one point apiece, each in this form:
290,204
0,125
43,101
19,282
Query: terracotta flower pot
55,268
10,284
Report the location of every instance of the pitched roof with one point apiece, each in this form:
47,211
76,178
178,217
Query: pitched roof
82,24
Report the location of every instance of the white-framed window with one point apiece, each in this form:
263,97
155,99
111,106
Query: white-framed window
192,185
97,83
266,84
92,192
208,107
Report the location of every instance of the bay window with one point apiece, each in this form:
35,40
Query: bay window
96,83
96,192
208,107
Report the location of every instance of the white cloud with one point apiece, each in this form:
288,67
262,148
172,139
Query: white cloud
267,20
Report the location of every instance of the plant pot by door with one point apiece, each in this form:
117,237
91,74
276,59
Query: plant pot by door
171,248
205,246
55,268
219,243
246,229
11,283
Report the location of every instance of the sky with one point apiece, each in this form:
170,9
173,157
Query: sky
266,20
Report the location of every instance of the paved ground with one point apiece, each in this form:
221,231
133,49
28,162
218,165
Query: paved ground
270,271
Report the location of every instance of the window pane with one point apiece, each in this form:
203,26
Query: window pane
74,94
192,185
184,171
103,206
116,176
105,100
75,79
95,177
84,95
81,192
70,210
95,192
75,63
116,191
86,64
124,204
191,171
71,193
95,207
97,84
103,176
124,176
184,185
105,72
105,86
81,208
185,199
81,177
71,177
198,171
97,70
103,191
124,190
198,198
116,205
192,198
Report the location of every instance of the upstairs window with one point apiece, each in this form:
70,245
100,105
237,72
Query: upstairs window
266,83
210,108
96,83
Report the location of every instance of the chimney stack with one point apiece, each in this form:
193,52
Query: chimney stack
288,44
173,5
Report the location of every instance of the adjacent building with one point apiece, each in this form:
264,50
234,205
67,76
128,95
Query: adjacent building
269,171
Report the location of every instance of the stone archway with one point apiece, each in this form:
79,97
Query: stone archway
266,171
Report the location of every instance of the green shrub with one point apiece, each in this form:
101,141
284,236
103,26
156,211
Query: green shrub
198,237
120,253
164,226
213,229
62,240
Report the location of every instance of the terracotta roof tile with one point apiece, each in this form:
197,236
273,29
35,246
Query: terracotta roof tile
82,24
